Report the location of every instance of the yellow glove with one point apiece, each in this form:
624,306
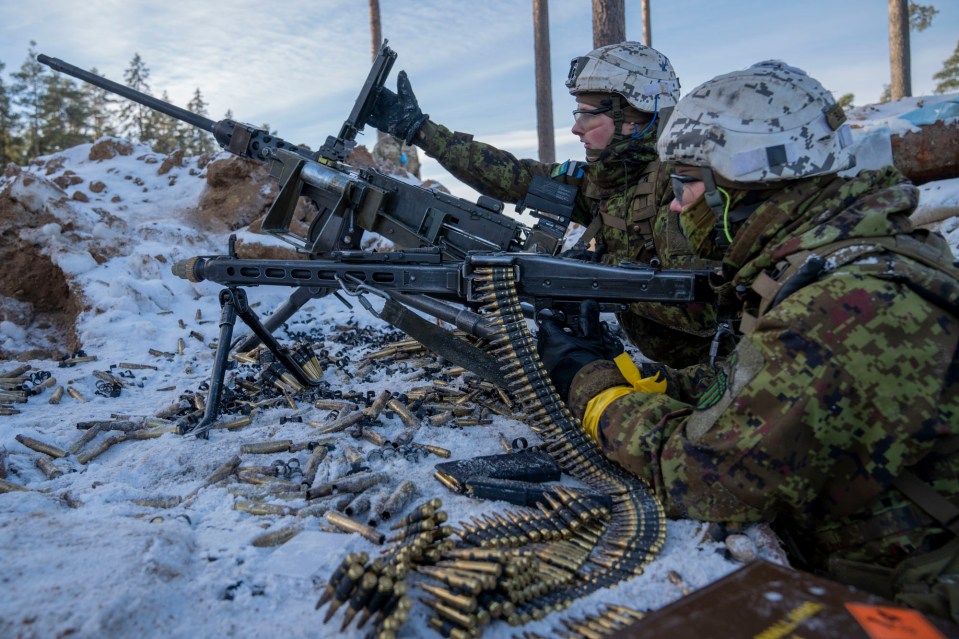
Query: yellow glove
639,384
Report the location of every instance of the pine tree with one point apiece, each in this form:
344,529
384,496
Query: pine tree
200,141
167,138
846,101
10,143
102,115
136,121
66,115
28,92
948,77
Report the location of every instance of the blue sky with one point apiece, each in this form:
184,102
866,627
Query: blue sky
298,65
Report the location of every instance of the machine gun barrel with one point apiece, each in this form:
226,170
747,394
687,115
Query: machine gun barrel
149,101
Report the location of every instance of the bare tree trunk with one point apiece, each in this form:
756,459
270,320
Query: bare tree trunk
544,91
376,31
899,63
647,25
609,22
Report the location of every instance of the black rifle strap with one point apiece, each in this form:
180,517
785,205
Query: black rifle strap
442,342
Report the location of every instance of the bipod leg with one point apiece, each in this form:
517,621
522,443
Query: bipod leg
228,312
283,312
251,319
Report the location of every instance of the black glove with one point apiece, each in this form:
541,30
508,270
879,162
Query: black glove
398,113
583,254
564,353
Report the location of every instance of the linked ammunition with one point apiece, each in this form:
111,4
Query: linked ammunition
471,584
347,524
465,620
47,468
277,537
266,447
343,590
463,603
361,596
41,447
384,590
359,558
447,628
421,512
72,392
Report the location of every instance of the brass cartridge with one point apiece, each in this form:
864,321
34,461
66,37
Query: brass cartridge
41,447
347,524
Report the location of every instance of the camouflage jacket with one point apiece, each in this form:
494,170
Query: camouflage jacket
851,378
629,191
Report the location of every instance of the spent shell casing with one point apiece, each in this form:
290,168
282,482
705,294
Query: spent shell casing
313,464
75,394
71,361
180,346
277,537
233,424
403,411
41,447
262,508
9,487
264,447
396,501
358,482
102,447
158,502
347,524
48,468
88,436
134,366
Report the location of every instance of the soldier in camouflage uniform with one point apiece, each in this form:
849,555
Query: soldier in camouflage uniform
836,417
623,92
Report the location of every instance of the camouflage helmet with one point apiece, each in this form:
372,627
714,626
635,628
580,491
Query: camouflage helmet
641,74
768,123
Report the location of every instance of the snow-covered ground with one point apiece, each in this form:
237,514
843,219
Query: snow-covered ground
91,553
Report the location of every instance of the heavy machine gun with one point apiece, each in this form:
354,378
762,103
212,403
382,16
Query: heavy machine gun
347,201
448,246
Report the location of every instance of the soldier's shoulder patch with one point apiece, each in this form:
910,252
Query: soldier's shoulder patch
714,393
571,168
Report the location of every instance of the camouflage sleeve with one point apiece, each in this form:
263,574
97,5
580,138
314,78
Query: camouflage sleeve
489,170
844,384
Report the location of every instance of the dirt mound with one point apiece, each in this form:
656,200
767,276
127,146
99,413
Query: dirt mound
238,193
34,294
